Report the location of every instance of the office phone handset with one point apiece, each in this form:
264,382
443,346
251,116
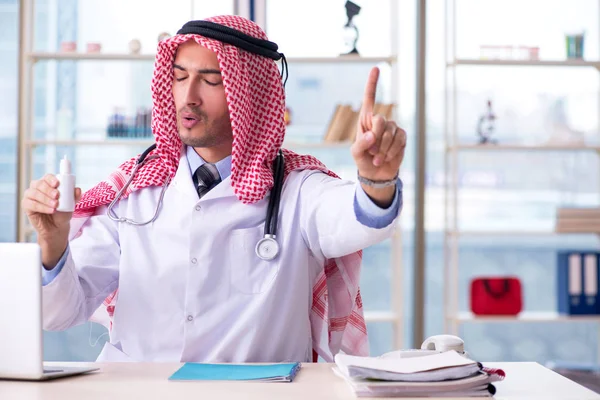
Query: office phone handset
432,345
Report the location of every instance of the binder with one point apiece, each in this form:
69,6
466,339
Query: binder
578,282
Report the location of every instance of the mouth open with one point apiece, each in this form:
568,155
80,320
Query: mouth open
189,122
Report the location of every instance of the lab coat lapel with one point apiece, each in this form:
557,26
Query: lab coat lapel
182,181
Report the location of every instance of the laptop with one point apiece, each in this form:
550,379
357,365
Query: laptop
21,334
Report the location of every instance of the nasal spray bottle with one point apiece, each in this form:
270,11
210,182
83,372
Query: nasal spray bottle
66,187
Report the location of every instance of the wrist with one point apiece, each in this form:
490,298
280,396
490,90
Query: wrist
52,249
381,192
377,184
382,197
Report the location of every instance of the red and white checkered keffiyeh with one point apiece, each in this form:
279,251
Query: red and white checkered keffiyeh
256,102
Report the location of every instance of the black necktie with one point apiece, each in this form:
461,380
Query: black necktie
206,177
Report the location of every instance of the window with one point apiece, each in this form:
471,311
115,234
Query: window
73,100
312,92
513,191
9,17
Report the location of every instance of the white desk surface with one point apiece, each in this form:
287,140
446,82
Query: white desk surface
314,381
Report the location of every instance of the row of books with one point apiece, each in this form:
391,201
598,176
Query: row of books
342,125
578,220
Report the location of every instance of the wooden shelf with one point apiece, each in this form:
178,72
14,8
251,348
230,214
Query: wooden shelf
316,145
501,233
522,147
36,56
342,59
527,63
528,317
106,142
380,316
515,233
149,141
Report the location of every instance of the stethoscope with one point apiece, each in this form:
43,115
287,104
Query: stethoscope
267,247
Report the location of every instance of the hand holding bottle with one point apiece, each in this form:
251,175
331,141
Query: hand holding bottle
49,203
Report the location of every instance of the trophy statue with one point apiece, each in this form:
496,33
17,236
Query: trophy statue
350,30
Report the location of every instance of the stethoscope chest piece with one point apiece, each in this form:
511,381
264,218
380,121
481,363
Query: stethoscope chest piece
267,248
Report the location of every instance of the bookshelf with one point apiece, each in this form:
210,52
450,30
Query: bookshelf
455,148
525,63
523,147
30,58
527,316
37,56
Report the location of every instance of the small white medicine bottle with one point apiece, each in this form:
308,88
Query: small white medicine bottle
66,187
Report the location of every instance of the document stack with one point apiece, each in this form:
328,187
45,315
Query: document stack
446,374
578,220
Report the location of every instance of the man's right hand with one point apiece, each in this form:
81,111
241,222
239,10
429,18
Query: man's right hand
52,227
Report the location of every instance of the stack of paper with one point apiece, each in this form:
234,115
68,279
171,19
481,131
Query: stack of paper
441,374
237,372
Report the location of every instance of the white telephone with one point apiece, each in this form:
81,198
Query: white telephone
432,345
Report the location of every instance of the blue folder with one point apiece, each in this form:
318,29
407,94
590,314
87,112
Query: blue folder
284,372
573,299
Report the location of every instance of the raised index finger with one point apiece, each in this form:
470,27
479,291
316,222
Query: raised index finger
370,92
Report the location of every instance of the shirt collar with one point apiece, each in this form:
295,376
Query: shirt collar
195,161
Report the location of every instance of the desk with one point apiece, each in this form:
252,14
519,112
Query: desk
139,381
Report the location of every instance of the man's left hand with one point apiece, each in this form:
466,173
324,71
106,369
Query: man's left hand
379,147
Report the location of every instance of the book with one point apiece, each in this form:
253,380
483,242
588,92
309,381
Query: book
340,123
282,372
343,123
578,212
578,220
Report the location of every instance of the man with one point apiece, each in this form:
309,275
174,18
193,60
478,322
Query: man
183,280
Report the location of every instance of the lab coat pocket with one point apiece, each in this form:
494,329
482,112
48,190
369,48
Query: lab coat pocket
249,273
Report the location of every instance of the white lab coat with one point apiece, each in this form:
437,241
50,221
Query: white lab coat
191,287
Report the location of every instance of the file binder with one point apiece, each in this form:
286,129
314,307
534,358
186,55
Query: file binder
578,282
280,372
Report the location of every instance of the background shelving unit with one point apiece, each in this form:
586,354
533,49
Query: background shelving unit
527,63
454,317
28,143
